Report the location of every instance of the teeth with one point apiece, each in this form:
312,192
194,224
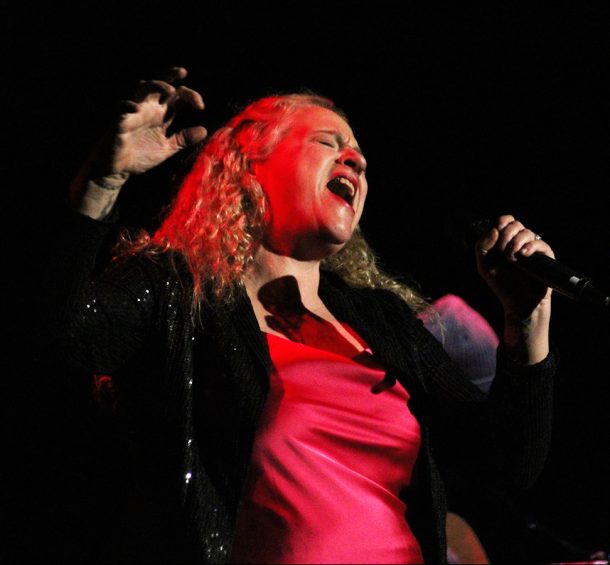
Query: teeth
350,186
342,187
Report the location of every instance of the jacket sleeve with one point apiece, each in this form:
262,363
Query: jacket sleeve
501,438
95,319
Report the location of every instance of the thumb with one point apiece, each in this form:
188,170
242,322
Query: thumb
486,242
189,136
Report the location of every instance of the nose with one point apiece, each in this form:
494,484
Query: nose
353,159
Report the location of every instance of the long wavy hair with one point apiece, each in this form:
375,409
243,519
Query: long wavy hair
217,218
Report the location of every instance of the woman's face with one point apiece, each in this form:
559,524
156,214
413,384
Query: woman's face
316,185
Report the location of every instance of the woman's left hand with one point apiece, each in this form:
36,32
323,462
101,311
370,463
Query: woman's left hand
526,301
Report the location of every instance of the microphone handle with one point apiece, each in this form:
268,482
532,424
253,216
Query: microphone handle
563,279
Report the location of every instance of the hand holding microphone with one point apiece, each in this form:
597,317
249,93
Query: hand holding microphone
547,270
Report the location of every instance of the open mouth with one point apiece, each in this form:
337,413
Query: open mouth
343,188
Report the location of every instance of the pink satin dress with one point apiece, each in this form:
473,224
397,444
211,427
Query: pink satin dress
334,448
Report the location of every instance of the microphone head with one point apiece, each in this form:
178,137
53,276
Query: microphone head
472,230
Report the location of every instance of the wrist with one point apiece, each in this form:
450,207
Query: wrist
96,197
526,339
111,182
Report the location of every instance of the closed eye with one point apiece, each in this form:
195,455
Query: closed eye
327,143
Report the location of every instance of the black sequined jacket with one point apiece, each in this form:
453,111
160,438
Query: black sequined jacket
188,397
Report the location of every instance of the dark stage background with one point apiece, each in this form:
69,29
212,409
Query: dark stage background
461,112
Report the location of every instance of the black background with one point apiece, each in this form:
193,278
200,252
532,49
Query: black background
462,112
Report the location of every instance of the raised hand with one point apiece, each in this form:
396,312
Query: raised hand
140,140
137,142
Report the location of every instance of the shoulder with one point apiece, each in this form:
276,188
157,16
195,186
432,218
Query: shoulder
153,273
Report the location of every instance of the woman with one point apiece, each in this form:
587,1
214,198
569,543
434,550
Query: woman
280,399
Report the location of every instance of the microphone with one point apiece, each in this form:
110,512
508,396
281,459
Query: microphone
551,272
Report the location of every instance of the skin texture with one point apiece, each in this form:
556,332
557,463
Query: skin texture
307,221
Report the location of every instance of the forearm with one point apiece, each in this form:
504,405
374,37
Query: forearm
521,408
96,197
526,340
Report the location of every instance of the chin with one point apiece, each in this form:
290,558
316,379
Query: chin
318,248
333,249
340,231
334,242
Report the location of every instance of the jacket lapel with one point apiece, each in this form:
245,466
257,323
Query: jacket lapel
394,345
246,324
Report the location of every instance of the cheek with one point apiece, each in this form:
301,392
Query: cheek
278,173
270,184
362,202
365,192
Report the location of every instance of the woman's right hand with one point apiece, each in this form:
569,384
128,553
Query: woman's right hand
138,142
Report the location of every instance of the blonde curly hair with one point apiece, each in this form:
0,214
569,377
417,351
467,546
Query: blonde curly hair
217,219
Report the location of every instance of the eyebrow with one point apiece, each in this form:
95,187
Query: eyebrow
337,135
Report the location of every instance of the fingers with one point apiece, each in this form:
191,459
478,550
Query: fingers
172,74
531,245
163,92
191,97
512,239
513,235
189,136
157,90
161,85
156,103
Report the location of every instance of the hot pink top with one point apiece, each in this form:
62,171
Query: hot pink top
329,460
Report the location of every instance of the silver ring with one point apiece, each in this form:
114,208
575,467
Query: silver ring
536,236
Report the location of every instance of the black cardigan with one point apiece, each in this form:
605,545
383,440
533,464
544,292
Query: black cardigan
189,395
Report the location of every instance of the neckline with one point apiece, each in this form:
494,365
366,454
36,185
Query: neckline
366,351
